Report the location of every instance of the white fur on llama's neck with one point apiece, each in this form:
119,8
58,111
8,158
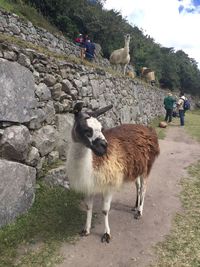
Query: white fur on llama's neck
80,169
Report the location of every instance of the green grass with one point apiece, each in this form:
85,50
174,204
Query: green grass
161,132
192,124
34,239
181,247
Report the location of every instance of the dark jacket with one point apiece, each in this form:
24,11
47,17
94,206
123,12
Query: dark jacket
168,102
89,50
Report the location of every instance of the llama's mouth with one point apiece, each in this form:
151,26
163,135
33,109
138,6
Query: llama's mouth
99,153
99,147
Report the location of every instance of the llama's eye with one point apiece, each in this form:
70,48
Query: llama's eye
88,132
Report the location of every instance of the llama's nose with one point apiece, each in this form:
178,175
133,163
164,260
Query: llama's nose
103,143
100,143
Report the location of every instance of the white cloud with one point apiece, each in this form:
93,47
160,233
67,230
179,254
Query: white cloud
163,22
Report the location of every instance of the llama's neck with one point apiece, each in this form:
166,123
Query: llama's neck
79,168
78,151
126,46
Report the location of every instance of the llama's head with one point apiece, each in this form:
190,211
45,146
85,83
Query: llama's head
127,38
88,130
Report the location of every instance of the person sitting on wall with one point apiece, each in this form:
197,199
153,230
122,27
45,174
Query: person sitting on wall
81,41
78,39
89,50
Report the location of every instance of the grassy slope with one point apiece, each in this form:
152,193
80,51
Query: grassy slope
193,124
33,240
161,132
182,247
28,13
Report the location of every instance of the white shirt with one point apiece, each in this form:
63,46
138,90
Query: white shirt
181,102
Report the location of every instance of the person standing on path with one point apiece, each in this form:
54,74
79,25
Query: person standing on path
180,106
168,104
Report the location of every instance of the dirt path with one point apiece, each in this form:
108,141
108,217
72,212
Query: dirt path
132,240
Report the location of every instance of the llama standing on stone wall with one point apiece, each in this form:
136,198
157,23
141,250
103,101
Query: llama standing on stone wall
148,75
121,56
101,161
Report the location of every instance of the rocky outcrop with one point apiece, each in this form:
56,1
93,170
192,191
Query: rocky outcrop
17,93
45,139
57,176
17,187
13,25
15,143
64,124
37,94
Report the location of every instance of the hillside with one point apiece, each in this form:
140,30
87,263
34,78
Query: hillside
174,70
40,82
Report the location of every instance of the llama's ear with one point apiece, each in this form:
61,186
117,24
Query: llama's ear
127,36
100,111
78,107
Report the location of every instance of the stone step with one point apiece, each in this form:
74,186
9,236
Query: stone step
57,176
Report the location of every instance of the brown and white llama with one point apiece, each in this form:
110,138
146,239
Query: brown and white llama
101,161
121,56
148,75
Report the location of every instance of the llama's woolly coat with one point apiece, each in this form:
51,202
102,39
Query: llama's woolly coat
120,56
131,152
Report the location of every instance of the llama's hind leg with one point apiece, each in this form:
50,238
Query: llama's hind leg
141,190
138,188
107,198
114,67
89,206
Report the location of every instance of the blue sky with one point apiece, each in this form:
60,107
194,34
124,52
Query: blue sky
172,23
191,7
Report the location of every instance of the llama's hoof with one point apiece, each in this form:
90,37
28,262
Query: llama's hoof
84,232
134,209
106,238
137,214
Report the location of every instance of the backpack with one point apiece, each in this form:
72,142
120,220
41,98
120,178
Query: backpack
186,104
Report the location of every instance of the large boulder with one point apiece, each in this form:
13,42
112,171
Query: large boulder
43,92
45,139
15,143
64,123
57,176
17,190
17,93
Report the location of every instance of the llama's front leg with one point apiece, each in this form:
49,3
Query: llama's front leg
89,206
113,67
125,66
107,198
141,190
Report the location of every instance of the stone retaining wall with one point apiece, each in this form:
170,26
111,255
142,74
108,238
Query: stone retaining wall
15,26
37,94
